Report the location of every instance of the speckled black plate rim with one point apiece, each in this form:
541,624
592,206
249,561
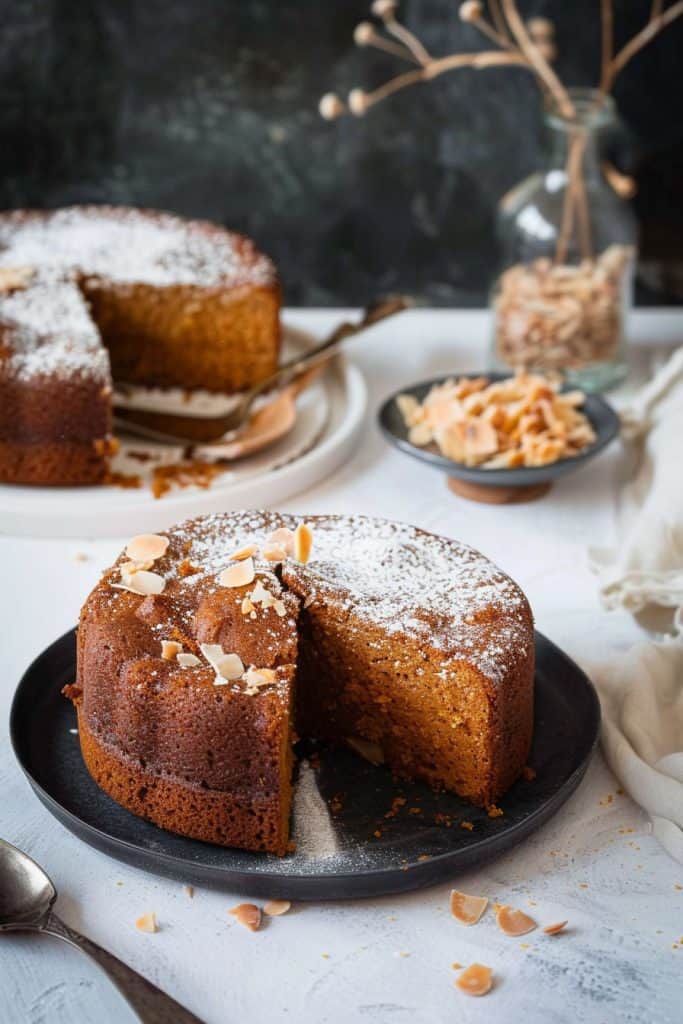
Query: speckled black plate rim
602,415
370,883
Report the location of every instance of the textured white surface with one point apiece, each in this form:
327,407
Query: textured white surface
594,863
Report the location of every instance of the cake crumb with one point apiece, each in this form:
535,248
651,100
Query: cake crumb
396,803
467,825
494,812
188,890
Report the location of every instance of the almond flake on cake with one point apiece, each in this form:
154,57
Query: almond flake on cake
186,660
303,543
239,575
227,666
242,553
282,538
147,547
169,649
141,582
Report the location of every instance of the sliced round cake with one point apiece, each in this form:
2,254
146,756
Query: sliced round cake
203,652
96,294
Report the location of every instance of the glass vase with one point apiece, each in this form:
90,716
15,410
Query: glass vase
568,244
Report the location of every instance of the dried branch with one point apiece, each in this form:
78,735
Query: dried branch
360,101
607,20
531,52
498,19
485,59
472,13
412,42
653,28
365,34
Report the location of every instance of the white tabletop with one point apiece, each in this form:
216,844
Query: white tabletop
385,960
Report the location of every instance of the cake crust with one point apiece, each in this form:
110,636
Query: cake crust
411,641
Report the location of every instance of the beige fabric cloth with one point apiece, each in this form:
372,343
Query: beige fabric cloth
641,692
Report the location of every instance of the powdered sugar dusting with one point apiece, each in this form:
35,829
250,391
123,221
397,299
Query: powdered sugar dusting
128,245
436,591
73,348
314,833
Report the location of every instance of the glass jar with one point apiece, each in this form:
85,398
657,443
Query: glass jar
568,244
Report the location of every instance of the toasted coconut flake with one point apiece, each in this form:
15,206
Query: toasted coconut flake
169,649
188,660
141,582
238,575
276,908
475,980
227,666
246,607
147,923
245,552
147,547
467,909
282,538
248,914
514,922
553,929
303,542
366,749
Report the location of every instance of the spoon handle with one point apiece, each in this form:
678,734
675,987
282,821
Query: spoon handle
150,1004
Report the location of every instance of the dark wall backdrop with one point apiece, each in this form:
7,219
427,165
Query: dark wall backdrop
209,108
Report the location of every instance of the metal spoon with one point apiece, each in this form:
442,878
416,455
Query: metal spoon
227,428
27,897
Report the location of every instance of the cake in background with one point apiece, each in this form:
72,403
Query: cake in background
92,295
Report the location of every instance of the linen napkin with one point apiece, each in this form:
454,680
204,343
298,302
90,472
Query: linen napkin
641,692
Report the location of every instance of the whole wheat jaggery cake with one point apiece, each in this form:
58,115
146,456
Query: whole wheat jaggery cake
95,294
203,652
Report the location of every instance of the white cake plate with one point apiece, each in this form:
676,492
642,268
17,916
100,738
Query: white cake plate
329,417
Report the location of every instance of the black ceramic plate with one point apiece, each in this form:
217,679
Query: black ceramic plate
602,416
412,850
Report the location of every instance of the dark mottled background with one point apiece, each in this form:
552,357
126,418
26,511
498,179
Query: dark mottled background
209,107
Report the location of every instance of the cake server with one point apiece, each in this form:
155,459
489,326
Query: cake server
275,417
27,898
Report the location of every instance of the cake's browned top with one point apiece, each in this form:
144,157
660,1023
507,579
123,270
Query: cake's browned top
414,585
126,245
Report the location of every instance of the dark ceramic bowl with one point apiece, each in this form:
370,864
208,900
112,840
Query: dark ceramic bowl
600,413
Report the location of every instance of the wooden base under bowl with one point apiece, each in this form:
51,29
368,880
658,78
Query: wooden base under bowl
496,495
